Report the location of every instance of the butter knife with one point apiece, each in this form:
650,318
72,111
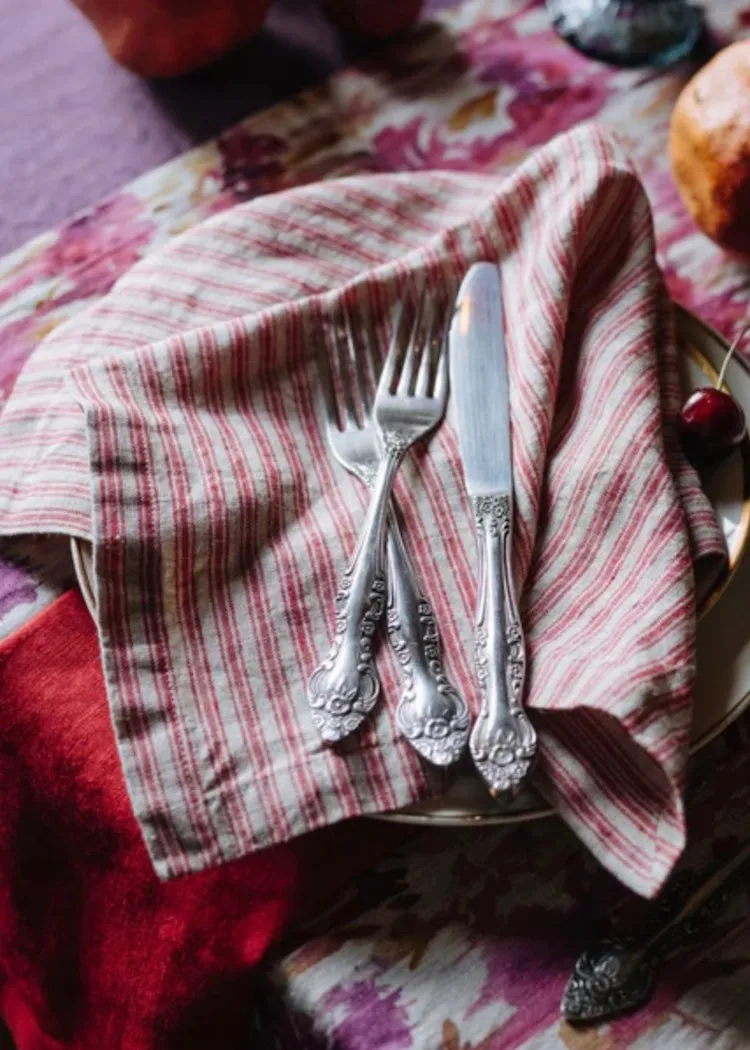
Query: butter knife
503,741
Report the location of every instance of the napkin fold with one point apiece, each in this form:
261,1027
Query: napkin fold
179,427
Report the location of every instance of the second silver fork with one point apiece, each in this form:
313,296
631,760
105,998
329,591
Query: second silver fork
431,713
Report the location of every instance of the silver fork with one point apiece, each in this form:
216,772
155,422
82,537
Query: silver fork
431,713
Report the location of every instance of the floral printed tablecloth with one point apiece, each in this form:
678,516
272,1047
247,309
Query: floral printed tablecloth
464,942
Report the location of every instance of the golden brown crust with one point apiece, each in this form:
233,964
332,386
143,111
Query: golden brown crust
709,146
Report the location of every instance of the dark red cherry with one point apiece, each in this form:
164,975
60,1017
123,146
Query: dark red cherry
711,421
712,424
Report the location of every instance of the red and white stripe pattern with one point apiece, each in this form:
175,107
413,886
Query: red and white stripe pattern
179,426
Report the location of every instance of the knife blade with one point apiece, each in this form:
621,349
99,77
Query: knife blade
479,381
503,741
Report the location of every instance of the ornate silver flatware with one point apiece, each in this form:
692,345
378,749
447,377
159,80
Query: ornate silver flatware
503,741
618,975
410,401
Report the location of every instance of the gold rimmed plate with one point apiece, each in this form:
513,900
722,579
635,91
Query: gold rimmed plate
722,690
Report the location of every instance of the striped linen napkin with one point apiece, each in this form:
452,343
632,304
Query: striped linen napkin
178,425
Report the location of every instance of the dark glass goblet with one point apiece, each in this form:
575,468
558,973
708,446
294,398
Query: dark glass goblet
629,32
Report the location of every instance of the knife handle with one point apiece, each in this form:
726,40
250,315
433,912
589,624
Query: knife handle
503,742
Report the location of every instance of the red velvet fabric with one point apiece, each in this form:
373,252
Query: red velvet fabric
95,952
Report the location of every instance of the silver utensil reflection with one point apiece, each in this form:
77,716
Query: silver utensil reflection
410,401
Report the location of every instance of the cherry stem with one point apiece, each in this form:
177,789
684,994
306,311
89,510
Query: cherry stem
730,352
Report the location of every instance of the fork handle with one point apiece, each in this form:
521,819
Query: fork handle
503,741
344,689
431,713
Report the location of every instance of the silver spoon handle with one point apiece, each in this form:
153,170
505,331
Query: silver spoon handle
618,974
503,742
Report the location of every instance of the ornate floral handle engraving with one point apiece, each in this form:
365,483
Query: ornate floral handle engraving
431,714
503,741
344,689
618,974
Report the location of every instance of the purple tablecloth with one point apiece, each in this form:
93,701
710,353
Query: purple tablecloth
74,126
